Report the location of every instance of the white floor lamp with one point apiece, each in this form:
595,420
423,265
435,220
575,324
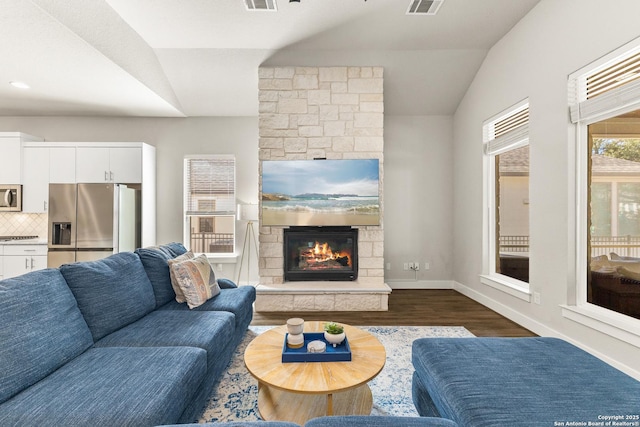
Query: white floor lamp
249,213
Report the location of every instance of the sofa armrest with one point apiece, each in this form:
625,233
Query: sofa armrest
226,284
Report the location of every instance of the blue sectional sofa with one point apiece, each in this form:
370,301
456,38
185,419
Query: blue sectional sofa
103,343
519,382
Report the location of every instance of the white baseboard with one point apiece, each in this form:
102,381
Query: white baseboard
537,327
420,284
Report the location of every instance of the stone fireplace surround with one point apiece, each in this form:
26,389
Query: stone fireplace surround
332,113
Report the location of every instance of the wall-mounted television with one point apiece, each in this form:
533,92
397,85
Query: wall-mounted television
320,192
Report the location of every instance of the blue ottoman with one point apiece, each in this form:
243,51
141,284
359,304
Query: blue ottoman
517,382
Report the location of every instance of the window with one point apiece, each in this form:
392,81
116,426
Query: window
605,108
506,139
210,204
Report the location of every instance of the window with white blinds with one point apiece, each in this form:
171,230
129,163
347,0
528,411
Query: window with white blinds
210,203
604,105
506,241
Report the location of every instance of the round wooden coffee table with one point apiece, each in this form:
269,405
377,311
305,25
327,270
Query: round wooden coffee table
297,392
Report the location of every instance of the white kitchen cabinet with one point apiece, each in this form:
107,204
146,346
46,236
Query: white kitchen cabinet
109,164
21,259
35,179
42,165
11,154
62,165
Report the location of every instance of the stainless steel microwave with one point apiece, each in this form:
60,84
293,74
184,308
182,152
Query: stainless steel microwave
10,198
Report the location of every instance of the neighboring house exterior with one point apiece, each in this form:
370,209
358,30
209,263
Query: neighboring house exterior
615,206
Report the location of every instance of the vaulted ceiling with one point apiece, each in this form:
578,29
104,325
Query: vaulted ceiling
177,58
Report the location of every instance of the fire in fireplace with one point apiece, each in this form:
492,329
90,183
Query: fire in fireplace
320,253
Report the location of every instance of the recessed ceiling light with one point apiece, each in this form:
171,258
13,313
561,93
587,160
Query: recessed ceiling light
20,85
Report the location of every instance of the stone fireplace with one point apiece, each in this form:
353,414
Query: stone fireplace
307,113
320,253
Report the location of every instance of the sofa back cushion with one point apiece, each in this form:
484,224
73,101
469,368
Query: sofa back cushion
155,261
41,329
111,293
175,248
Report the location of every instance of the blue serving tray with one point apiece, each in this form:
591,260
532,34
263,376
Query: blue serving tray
339,353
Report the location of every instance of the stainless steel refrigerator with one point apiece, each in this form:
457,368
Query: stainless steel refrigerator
91,221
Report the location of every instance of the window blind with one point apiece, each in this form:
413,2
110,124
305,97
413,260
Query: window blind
210,185
508,131
608,87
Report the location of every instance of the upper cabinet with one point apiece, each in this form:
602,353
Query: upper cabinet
11,153
109,164
35,180
42,165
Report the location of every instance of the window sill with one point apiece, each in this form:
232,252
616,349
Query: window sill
222,259
615,325
508,287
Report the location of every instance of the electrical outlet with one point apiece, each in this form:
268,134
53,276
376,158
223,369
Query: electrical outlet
416,266
405,266
426,265
536,298
388,266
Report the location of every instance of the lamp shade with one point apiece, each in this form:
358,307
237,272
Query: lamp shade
248,212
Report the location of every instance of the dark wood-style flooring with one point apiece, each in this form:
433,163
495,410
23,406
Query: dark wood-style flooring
417,308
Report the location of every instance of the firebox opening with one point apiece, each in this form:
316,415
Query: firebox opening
320,253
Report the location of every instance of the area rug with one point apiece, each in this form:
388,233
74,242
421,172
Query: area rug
235,398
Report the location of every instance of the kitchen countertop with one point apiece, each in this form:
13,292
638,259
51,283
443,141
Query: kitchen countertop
37,241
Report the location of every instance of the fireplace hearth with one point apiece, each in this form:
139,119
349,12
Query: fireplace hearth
320,253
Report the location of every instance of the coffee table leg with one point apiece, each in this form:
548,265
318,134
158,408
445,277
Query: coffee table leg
329,404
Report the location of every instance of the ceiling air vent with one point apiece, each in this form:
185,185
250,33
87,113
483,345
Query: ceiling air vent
424,7
260,5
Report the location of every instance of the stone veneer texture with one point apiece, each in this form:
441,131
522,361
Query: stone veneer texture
322,112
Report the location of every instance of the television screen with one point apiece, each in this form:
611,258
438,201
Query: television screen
320,192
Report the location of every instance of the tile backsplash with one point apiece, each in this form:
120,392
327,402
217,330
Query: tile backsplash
23,224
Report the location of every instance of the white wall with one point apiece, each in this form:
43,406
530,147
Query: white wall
556,38
418,199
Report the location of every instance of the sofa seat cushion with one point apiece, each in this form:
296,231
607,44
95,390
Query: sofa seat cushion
519,381
210,331
112,387
154,259
238,301
111,293
41,329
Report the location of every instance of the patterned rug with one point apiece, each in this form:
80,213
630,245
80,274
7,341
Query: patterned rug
235,398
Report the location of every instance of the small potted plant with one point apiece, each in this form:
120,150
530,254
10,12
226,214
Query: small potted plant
333,333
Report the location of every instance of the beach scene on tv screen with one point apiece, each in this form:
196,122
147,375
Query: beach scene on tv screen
320,192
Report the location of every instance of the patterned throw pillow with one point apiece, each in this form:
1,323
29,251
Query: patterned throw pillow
196,280
174,282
